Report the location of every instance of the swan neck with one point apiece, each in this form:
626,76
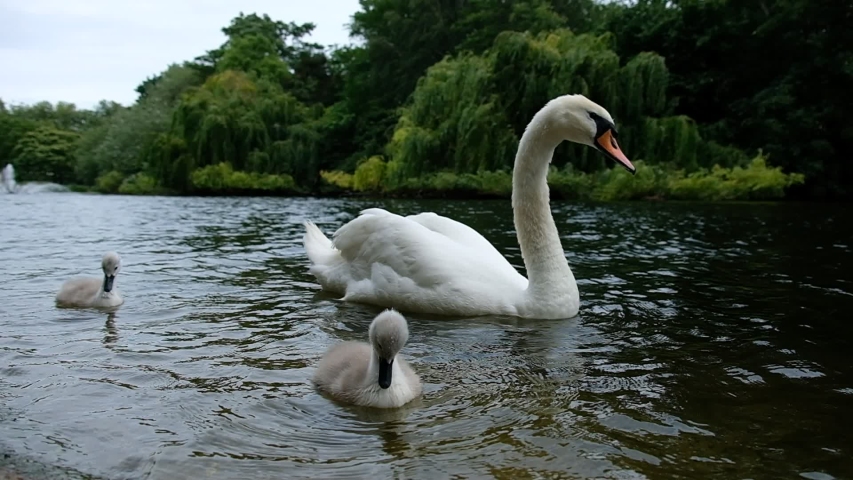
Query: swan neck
544,258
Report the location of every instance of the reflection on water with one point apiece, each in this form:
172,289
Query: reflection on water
712,341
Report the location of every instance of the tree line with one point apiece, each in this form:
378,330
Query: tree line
715,99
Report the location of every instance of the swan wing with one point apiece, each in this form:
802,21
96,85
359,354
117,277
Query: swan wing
78,291
452,230
458,232
393,260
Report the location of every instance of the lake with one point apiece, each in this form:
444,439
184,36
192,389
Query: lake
712,343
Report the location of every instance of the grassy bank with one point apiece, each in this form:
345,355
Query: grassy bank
756,181
377,178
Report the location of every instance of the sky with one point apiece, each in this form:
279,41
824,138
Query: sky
83,51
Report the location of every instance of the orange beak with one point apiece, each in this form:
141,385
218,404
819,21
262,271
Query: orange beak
608,145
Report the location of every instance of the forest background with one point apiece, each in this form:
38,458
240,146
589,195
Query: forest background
714,100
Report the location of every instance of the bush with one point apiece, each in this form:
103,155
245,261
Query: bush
140,184
756,182
337,178
649,181
569,184
369,175
222,179
109,182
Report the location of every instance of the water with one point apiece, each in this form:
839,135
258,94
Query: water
27,188
8,178
712,343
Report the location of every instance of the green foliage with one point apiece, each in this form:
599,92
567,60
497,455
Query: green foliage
125,143
789,104
12,129
456,120
62,116
435,96
401,39
571,184
221,178
140,184
650,181
275,51
109,182
336,178
369,175
251,124
756,182
46,154
453,122
135,184
448,184
37,138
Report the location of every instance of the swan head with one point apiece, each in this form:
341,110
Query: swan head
583,121
388,333
111,264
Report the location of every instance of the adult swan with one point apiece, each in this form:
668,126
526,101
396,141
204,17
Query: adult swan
431,264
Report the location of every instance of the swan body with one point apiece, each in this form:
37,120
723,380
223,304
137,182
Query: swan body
432,264
371,375
87,292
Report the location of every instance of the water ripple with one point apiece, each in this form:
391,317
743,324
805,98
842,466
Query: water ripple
711,344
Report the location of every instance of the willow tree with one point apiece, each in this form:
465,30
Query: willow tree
773,75
467,112
252,124
124,143
454,122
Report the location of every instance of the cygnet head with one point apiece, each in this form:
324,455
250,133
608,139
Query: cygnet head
388,332
580,120
111,264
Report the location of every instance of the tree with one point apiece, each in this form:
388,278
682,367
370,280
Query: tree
767,75
124,143
468,112
46,154
276,51
12,129
253,125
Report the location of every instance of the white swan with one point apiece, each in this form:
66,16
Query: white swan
93,292
432,264
371,375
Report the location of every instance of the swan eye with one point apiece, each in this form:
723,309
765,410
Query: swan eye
602,125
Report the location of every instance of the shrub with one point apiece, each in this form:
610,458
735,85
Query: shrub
109,182
140,184
221,178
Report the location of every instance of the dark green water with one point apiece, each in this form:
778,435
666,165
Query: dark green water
712,343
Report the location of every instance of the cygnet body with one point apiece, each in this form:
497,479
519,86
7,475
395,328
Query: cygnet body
86,292
371,375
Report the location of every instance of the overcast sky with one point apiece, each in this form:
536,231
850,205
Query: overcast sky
82,51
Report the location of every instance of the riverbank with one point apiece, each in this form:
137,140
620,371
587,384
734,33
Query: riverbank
376,178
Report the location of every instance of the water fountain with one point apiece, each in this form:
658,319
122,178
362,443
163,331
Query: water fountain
8,177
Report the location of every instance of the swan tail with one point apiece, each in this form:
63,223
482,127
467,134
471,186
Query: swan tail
324,257
318,247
